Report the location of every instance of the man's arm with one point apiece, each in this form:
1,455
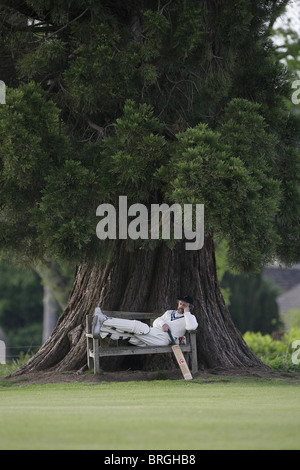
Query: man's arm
163,321
190,320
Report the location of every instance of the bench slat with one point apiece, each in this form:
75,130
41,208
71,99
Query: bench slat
123,351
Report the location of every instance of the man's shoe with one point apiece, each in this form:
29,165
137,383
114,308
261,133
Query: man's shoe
98,320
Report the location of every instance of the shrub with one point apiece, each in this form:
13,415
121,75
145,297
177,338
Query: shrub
13,365
277,354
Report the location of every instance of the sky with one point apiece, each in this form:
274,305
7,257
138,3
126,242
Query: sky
293,15
293,12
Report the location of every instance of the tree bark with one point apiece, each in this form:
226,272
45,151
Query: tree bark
148,280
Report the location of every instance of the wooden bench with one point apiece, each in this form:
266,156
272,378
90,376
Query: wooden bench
95,349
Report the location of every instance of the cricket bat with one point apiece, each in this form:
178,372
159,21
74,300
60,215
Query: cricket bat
180,359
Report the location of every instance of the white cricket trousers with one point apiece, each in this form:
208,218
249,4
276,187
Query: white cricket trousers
136,332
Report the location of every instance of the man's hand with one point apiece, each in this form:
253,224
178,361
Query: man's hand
165,328
183,307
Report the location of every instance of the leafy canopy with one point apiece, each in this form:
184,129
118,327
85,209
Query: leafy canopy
160,101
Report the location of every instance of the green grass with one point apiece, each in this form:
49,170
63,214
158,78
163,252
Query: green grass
158,415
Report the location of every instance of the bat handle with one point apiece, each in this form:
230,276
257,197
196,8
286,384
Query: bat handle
171,337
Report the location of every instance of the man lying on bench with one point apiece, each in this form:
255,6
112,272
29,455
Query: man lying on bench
140,334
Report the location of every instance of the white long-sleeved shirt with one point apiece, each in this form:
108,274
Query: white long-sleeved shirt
179,323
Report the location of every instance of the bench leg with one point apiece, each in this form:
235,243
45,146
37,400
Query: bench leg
96,356
194,360
89,342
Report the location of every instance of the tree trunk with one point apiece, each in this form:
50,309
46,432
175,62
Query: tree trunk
148,280
50,313
52,277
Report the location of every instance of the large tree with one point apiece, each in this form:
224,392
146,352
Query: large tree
168,101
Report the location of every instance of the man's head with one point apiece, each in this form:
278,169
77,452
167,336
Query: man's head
184,302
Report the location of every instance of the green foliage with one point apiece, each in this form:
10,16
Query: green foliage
292,319
134,153
26,341
233,173
13,365
65,216
73,191
222,264
49,56
253,305
255,188
187,31
21,296
21,307
58,216
31,144
100,76
275,353
264,344
287,217
28,153
211,127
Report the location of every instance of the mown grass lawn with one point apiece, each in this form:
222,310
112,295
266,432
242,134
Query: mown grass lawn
156,415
